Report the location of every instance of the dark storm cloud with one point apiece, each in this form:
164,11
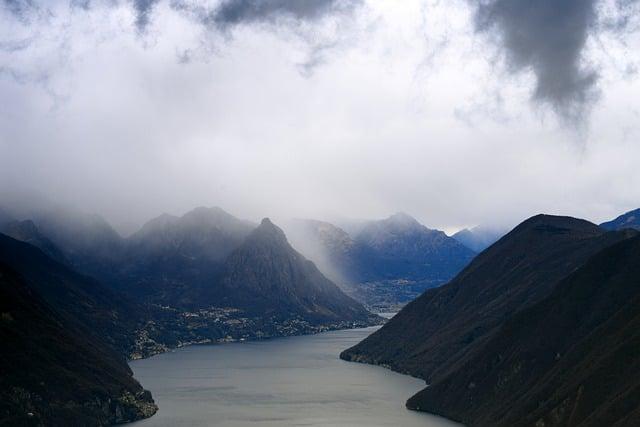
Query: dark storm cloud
143,9
547,37
236,12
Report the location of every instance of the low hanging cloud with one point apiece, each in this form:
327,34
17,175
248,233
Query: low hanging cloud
547,37
98,114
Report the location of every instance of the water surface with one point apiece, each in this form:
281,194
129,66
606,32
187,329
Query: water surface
295,381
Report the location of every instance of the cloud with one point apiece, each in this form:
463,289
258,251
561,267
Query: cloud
547,37
551,39
230,13
93,116
20,9
319,25
143,9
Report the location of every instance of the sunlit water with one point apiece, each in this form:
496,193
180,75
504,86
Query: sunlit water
296,381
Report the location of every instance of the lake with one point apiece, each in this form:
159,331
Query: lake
294,381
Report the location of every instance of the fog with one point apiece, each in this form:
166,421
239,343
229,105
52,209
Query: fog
350,109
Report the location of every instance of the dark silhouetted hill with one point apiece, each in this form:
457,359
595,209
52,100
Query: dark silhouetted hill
570,360
55,366
266,275
438,331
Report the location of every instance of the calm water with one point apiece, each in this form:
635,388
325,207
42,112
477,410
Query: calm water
296,381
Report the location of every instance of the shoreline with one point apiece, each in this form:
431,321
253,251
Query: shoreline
285,342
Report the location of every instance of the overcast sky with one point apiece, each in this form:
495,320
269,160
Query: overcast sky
458,112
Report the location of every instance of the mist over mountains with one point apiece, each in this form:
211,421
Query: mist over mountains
384,263
537,327
381,263
184,172
69,281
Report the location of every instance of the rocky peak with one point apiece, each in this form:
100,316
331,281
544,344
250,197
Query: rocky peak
267,231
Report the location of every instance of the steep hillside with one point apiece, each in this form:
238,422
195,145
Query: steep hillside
87,241
266,275
54,370
437,331
26,231
570,360
73,296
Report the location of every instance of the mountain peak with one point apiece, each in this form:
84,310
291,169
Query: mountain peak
266,222
557,224
402,217
401,221
265,274
267,230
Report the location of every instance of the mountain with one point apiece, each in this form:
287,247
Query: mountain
26,231
54,369
479,238
203,232
328,246
170,255
5,218
630,219
440,329
401,247
384,263
87,241
74,296
266,275
173,272
570,360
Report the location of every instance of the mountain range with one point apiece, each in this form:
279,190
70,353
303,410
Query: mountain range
383,263
547,314
203,277
486,341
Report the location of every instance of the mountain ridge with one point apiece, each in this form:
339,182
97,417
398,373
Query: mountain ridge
437,330
385,263
68,339
567,360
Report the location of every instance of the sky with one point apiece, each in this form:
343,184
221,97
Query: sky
458,112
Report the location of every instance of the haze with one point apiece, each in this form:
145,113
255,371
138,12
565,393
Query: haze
456,112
